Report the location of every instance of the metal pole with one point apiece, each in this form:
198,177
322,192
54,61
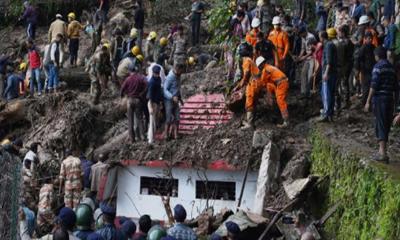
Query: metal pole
243,183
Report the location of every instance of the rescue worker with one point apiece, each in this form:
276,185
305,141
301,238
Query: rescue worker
31,17
71,175
251,37
266,49
329,74
117,48
130,42
150,47
45,215
178,52
280,40
265,11
84,220
195,18
172,98
135,88
28,194
109,231
155,97
364,23
58,27
160,53
233,230
73,31
99,69
35,65
139,21
382,94
180,230
128,65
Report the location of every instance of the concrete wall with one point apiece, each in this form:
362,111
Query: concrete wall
131,203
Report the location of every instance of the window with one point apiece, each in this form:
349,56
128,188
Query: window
216,190
159,186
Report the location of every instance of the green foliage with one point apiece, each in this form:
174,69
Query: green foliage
370,202
218,21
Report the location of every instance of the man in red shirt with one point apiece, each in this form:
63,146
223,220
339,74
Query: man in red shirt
135,88
34,65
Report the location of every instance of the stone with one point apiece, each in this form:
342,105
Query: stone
226,141
297,167
268,176
294,188
261,138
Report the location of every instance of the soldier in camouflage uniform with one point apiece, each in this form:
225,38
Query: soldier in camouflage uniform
71,174
178,53
99,68
45,215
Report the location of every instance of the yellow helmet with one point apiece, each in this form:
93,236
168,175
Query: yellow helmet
107,45
152,35
140,58
72,15
23,66
163,41
331,33
135,50
191,61
134,33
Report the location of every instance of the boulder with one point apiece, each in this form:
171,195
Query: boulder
297,167
261,138
294,188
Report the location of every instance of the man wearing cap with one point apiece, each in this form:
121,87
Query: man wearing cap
251,37
66,220
109,231
233,230
73,32
58,27
155,96
128,227
71,174
281,41
329,74
31,17
130,42
364,24
180,231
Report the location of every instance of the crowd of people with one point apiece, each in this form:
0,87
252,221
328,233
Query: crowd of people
352,56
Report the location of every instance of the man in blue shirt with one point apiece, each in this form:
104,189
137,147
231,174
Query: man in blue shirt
357,9
172,97
329,73
12,88
180,231
383,92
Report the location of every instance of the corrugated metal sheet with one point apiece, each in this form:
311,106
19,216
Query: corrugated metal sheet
203,112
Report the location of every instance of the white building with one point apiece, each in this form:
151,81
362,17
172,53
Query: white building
139,188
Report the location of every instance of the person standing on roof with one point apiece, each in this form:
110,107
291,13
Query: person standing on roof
251,37
135,88
195,18
34,65
31,17
172,98
71,175
155,96
139,22
280,40
58,27
73,31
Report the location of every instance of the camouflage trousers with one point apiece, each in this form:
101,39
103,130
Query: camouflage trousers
72,197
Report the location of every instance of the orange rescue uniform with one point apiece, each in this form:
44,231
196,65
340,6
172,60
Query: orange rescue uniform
251,37
280,39
375,40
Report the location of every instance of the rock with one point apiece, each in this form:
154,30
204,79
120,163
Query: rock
294,188
268,175
297,167
225,141
261,138
211,65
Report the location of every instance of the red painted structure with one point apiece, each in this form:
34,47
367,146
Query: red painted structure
203,112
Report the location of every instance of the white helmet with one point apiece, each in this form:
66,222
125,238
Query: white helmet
276,20
363,20
255,23
259,61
